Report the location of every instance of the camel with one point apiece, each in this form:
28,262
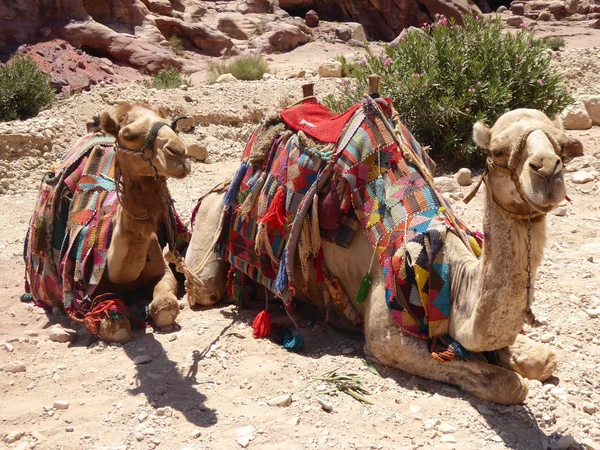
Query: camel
143,151
490,296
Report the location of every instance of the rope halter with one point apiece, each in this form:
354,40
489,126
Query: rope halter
510,170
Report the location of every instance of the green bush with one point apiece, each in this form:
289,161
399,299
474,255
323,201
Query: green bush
168,78
444,79
349,69
555,43
24,89
251,67
176,44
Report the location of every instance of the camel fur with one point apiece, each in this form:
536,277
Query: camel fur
489,303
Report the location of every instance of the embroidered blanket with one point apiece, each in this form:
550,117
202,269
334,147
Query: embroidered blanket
69,234
373,176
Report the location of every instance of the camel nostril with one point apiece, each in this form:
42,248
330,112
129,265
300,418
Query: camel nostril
534,167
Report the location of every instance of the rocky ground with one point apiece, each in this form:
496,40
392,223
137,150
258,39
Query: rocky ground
208,384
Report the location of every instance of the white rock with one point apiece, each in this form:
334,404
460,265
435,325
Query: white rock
196,433
463,177
448,438
327,407
589,408
576,117
281,400
588,444
13,367
142,417
593,313
243,441
8,347
592,106
61,404
547,337
225,78
245,431
430,424
560,211
58,334
446,428
558,392
141,359
330,69
13,437
565,442
446,184
581,177
414,409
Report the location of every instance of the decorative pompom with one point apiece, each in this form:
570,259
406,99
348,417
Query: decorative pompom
281,282
262,325
231,196
275,215
292,343
365,286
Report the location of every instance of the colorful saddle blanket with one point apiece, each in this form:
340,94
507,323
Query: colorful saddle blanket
69,234
308,186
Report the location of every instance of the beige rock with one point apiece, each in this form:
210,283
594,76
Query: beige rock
575,117
515,21
279,37
197,152
592,106
463,177
13,367
281,400
350,30
58,334
582,177
330,69
225,78
446,184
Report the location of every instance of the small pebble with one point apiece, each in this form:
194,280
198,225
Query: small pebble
589,408
141,359
196,433
160,390
281,400
61,404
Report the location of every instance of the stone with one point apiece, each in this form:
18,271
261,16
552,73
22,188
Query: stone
558,392
546,338
463,177
326,406
160,390
61,404
225,78
281,400
446,428
596,25
58,334
545,16
565,442
582,177
485,411
592,106
593,313
560,211
571,6
13,437
501,9
589,408
232,25
198,152
515,21
311,19
141,359
8,347
279,37
448,438
347,351
518,9
576,117
574,147
589,444
196,433
446,184
243,441
557,9
350,30
13,367
330,69
430,424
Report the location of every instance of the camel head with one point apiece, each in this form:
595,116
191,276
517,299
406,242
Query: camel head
524,151
146,141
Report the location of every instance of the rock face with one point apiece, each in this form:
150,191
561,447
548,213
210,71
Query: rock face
382,19
547,10
350,30
576,117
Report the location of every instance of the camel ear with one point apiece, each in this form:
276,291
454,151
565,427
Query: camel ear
482,135
109,124
558,122
163,112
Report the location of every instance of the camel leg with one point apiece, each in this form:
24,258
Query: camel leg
164,307
528,358
117,330
214,274
392,347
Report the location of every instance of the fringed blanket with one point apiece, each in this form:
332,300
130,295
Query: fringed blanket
326,179
69,234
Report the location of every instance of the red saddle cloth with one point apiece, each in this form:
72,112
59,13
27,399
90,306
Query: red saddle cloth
317,120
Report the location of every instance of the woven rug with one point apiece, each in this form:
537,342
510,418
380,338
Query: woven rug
69,234
373,176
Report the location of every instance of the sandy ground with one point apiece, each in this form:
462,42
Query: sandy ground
207,382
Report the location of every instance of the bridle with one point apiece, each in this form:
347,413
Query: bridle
510,170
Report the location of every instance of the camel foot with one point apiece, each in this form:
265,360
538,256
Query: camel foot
529,358
164,310
208,294
494,384
115,330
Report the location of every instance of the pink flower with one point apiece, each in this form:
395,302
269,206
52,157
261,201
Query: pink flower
477,18
425,84
478,83
417,75
554,55
540,82
471,89
387,61
524,26
468,109
362,62
509,95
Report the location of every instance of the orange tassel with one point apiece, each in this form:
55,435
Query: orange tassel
275,216
262,325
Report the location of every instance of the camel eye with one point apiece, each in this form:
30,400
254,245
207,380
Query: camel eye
498,153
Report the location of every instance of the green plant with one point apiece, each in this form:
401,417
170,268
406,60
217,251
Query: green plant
555,43
251,67
24,89
349,383
349,69
168,78
444,79
259,28
176,44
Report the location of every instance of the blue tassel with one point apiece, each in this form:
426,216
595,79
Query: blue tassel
292,343
281,282
234,187
380,192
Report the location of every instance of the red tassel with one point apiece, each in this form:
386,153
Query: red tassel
319,267
275,215
262,325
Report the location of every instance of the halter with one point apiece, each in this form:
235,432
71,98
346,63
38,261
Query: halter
513,162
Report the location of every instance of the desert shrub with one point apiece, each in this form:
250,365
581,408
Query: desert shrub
176,44
24,89
168,78
251,67
349,69
555,43
445,78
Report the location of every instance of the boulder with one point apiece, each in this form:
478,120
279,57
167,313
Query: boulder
330,69
205,38
257,6
311,19
596,25
557,9
518,9
515,21
545,16
197,152
463,177
446,184
571,6
501,9
159,6
279,37
574,147
350,30
231,25
582,177
592,106
575,117
225,78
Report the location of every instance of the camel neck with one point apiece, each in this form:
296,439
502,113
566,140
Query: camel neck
492,308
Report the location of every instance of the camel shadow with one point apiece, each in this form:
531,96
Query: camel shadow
165,383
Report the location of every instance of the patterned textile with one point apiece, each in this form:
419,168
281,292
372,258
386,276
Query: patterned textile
69,234
376,177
